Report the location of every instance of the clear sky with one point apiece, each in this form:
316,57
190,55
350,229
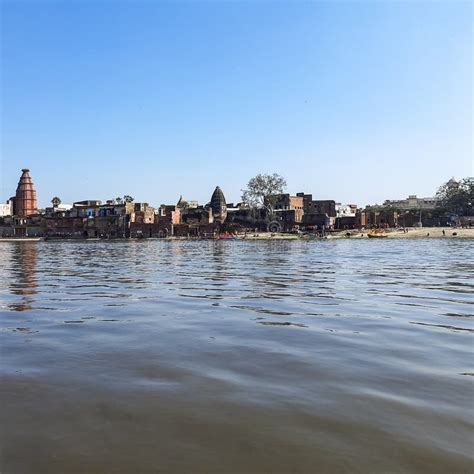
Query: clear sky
357,102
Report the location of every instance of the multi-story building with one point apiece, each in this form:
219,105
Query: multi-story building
142,213
287,211
318,212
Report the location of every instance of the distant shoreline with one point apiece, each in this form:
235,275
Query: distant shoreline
415,233
412,233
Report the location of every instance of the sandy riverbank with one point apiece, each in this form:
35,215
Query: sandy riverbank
426,232
20,239
412,233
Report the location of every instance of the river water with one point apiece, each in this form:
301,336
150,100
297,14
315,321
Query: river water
237,357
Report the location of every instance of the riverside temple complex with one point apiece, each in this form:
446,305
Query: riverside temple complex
126,218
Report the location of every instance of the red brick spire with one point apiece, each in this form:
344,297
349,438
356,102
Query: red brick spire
25,198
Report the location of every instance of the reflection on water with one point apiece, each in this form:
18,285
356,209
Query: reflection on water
245,357
23,277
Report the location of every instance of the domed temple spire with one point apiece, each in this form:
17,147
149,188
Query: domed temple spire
218,205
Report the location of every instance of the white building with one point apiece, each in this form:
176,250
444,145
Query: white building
345,210
6,209
63,207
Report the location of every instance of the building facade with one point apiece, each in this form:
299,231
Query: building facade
412,202
6,209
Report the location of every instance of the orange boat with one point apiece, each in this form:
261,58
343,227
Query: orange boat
376,234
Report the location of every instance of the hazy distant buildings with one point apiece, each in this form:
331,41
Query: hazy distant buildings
412,202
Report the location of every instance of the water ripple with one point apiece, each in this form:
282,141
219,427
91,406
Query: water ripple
347,354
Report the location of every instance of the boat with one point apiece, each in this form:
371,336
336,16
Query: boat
377,234
226,235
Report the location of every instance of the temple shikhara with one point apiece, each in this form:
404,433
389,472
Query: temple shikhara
218,206
24,202
19,216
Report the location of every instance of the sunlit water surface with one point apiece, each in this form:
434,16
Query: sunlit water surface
237,357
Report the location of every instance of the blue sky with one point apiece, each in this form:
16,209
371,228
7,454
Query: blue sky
356,101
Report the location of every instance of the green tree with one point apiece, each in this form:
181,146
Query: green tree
55,201
262,191
456,197
128,198
118,200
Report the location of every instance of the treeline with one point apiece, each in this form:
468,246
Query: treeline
456,197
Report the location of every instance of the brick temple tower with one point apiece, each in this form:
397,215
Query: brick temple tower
25,198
